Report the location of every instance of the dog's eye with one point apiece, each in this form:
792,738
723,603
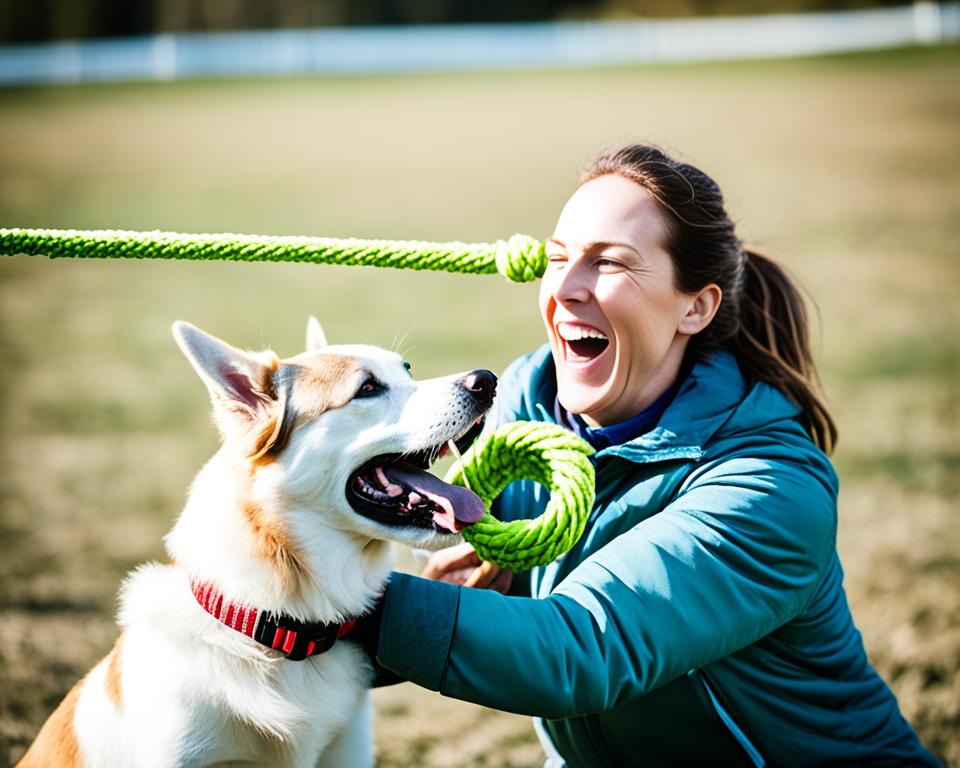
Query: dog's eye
370,388
407,366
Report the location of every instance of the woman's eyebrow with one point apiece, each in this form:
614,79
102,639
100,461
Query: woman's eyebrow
598,245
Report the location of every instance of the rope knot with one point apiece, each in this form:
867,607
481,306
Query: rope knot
521,258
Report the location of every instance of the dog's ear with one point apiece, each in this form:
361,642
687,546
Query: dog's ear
239,382
316,338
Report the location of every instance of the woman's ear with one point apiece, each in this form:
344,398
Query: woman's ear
701,311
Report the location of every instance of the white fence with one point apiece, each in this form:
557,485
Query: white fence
477,47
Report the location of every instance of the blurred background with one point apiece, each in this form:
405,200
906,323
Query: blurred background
75,19
843,163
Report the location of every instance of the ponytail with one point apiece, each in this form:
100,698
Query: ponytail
772,343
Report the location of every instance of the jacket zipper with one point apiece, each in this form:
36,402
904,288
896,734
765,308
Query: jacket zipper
752,752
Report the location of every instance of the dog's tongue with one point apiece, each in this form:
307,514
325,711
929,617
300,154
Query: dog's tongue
460,506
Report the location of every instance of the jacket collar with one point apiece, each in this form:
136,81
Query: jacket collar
706,400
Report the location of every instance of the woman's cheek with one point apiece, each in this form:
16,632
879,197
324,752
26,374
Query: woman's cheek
547,301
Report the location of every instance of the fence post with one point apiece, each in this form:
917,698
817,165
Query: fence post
927,27
163,57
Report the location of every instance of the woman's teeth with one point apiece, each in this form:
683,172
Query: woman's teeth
582,342
578,332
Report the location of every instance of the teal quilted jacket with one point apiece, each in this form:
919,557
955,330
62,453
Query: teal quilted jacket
701,618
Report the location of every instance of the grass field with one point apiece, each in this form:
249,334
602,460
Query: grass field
846,168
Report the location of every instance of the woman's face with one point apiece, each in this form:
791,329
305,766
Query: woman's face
617,326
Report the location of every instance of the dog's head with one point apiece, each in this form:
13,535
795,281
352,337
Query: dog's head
346,432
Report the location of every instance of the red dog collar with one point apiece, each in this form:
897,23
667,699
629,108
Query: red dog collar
297,640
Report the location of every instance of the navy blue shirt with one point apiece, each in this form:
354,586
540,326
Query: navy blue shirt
621,432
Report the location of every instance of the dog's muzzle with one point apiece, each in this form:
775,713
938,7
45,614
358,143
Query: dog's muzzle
397,490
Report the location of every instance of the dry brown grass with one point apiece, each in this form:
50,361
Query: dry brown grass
845,168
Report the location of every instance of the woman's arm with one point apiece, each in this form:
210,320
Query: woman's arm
737,555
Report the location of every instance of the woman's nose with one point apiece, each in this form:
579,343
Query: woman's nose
573,284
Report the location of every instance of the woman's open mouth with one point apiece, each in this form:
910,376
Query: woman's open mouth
397,489
582,343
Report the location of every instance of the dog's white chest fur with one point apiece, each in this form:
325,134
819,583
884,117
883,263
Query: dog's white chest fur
196,692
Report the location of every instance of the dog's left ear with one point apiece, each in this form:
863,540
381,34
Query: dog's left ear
316,338
238,381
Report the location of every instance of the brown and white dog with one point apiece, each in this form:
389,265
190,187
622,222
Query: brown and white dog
228,654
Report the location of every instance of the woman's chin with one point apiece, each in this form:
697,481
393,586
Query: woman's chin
581,388
579,398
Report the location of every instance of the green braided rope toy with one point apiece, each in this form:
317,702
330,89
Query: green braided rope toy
521,258
545,453
529,450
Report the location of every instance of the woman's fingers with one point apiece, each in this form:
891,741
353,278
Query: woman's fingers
482,576
458,576
490,576
450,562
461,565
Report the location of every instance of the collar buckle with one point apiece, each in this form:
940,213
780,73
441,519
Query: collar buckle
295,639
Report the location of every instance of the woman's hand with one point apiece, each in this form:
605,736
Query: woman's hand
461,565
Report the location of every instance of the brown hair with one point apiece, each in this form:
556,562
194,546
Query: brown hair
762,317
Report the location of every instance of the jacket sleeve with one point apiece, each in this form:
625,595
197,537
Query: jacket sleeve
739,553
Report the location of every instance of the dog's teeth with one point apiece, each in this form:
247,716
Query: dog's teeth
414,498
368,489
393,490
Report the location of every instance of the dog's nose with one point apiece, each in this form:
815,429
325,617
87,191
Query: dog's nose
482,384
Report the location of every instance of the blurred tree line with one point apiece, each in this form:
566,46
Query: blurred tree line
33,20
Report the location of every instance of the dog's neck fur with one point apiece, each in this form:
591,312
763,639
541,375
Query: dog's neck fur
238,533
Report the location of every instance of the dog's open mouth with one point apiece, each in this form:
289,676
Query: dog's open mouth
398,490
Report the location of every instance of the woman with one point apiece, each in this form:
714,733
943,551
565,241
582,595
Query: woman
701,618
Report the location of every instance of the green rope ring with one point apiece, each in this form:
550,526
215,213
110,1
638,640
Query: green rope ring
545,453
528,450
520,259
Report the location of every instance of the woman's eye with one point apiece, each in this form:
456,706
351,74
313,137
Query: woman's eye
608,264
370,388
